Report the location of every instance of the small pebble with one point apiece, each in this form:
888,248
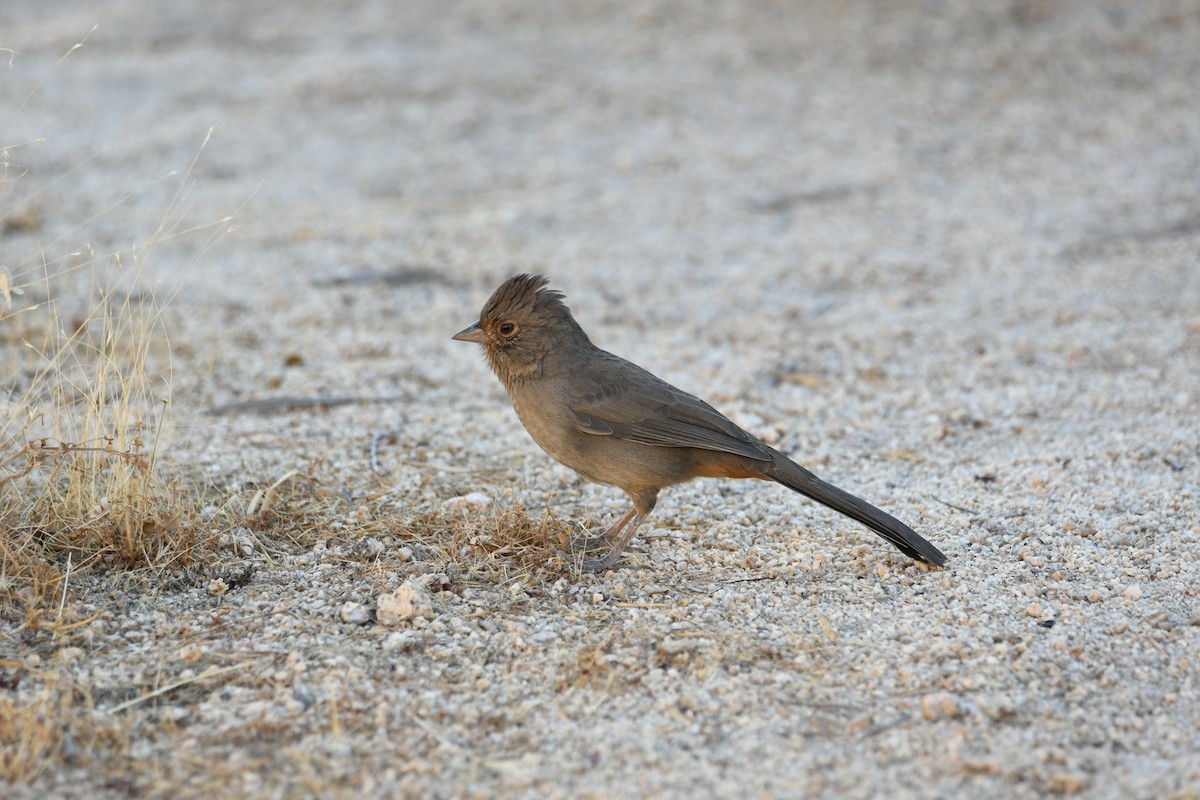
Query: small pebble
174,714
69,655
354,613
472,500
940,705
1067,783
405,604
190,653
670,647
369,547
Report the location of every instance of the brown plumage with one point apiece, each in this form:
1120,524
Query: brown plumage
615,423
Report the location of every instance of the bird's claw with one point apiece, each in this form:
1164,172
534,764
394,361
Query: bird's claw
582,541
584,548
597,564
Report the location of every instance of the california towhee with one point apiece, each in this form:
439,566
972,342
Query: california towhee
613,422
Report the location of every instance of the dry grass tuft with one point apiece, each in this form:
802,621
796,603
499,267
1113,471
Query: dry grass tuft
497,547
79,427
85,389
85,396
528,542
31,734
53,723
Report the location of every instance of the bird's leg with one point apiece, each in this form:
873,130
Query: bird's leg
583,543
623,529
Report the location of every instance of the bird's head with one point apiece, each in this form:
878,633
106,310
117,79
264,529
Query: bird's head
521,324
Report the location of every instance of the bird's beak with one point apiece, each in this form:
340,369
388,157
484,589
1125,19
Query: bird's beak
473,333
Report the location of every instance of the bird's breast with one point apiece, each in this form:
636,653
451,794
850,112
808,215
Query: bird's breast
548,419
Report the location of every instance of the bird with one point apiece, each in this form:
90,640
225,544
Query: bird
616,423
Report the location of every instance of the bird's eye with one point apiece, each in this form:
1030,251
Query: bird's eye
508,328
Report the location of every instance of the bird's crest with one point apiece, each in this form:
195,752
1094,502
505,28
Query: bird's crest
525,296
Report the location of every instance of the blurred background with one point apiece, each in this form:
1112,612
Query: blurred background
906,193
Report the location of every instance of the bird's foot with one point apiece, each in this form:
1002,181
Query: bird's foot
598,564
611,543
584,542
592,552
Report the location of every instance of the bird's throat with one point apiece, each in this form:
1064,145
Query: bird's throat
513,370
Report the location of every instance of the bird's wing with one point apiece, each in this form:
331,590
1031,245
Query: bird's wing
623,400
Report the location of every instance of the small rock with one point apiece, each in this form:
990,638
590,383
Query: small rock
998,708
69,655
472,500
981,767
670,647
437,582
354,613
239,540
1034,610
191,653
400,640
22,219
368,547
940,705
1067,783
1133,592
174,714
304,696
403,605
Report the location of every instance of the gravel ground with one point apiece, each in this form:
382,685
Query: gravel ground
944,253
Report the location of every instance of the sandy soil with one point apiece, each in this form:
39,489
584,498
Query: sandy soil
945,253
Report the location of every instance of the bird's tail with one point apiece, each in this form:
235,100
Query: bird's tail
797,478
